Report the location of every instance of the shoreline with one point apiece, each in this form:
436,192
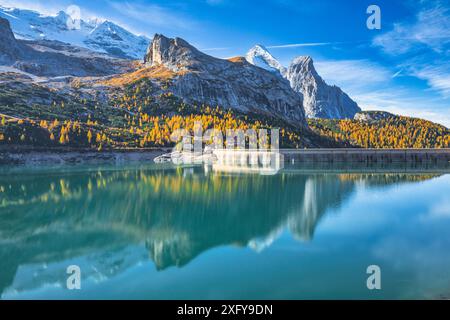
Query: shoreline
41,156
72,156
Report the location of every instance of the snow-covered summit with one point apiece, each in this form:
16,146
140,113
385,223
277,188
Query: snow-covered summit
261,57
95,34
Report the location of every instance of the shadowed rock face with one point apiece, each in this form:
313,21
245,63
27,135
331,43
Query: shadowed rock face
319,99
10,49
230,84
53,58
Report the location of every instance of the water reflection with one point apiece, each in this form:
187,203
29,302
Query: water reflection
112,219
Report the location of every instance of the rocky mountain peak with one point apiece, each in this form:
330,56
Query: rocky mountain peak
62,16
300,70
261,57
10,49
303,67
173,53
319,99
5,30
232,83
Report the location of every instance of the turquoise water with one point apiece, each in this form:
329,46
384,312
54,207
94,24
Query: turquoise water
160,232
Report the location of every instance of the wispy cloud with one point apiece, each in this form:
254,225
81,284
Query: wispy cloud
423,45
152,15
440,209
437,77
404,102
306,44
215,49
397,74
430,29
49,8
353,72
371,86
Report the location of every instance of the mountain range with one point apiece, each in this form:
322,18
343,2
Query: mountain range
320,100
135,103
101,36
232,83
53,58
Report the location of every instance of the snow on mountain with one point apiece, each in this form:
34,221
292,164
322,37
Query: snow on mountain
97,35
233,83
117,41
319,99
54,58
261,57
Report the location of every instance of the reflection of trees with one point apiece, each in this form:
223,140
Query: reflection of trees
178,213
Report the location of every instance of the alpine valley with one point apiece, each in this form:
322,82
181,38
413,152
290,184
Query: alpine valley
103,87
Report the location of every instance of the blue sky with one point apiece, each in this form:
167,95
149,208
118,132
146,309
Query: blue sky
403,68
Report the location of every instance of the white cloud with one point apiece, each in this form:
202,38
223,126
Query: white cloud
215,49
403,102
420,49
441,209
152,15
297,45
49,8
371,86
430,29
428,38
352,72
437,77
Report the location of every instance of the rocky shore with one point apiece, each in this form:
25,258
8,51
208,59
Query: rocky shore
36,156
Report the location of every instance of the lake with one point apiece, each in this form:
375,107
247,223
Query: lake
157,231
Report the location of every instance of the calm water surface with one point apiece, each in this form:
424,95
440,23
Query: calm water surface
160,232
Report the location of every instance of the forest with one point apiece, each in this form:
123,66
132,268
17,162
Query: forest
139,114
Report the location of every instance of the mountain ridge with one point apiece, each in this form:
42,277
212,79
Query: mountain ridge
261,57
52,58
101,36
238,85
320,100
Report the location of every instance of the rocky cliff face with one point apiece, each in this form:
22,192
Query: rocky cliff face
233,83
10,49
319,99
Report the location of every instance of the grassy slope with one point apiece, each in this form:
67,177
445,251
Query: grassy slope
138,110
128,111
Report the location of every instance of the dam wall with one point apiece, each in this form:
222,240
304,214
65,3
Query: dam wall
367,155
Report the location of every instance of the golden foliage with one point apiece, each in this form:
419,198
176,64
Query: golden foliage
237,59
392,133
159,72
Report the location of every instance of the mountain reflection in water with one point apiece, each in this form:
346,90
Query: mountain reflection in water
47,218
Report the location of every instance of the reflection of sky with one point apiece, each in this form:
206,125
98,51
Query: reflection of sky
401,227
411,234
